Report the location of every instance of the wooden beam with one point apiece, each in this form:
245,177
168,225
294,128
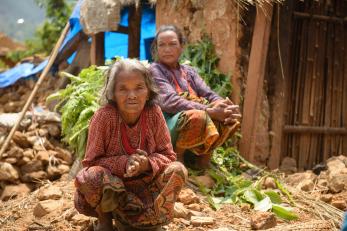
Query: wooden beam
281,43
255,79
134,23
319,17
70,47
97,49
315,130
122,29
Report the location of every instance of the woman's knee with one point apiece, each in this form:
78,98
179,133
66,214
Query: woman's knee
179,169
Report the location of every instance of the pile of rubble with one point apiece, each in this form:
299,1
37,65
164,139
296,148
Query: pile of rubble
35,153
328,182
13,98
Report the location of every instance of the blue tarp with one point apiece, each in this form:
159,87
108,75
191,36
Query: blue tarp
116,44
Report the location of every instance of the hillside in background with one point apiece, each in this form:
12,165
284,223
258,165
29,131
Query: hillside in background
11,11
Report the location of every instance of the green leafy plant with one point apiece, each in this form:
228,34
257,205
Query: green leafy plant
77,104
202,56
232,187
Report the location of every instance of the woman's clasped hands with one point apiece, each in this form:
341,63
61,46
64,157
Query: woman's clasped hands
137,163
224,111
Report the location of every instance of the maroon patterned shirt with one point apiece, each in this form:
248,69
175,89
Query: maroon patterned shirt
170,101
104,146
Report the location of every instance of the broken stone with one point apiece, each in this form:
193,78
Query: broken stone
14,191
296,178
340,204
43,132
184,221
33,126
44,207
8,172
64,155
335,166
223,229
205,180
25,160
288,165
245,207
21,140
53,130
80,220
326,198
42,144
63,168
195,207
187,196
15,152
32,166
306,185
43,156
28,153
199,221
263,220
337,182
180,211
34,176
196,213
322,183
343,159
269,182
50,192
53,172
11,160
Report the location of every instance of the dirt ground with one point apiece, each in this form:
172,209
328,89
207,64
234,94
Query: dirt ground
18,214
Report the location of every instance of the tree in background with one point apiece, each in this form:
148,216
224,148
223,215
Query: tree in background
46,35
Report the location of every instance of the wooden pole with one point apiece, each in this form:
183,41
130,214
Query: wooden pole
283,39
255,81
37,85
97,49
134,23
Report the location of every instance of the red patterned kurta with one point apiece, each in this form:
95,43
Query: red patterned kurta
145,200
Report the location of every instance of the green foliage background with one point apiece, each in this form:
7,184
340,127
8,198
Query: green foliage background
202,56
57,15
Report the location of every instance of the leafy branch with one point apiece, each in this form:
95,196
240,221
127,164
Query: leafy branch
232,187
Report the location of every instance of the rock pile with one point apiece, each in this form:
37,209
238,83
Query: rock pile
34,154
13,98
330,185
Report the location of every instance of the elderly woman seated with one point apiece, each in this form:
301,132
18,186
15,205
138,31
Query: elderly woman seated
130,172
199,119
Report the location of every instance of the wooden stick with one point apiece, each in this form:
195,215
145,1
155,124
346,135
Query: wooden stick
37,85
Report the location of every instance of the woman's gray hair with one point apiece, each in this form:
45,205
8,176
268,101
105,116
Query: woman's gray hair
127,65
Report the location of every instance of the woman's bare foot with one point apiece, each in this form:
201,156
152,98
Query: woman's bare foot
104,221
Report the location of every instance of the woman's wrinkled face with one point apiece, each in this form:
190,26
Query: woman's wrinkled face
131,93
169,48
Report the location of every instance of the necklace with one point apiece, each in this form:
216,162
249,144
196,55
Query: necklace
125,141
